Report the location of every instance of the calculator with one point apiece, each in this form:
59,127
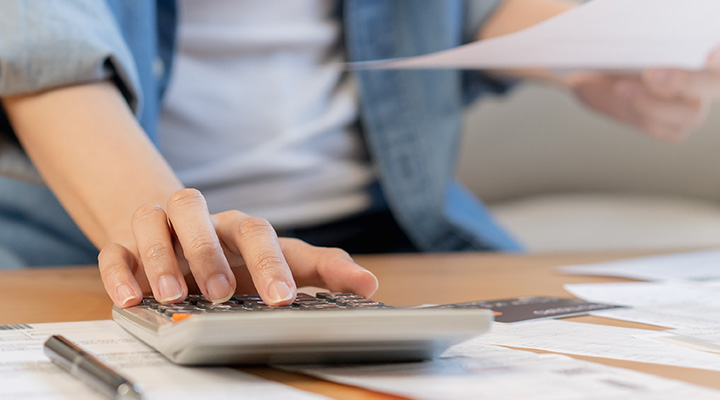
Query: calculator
325,328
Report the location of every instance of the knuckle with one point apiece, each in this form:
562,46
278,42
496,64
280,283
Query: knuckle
253,226
186,197
113,275
335,252
230,215
147,211
267,262
113,264
156,251
108,253
202,247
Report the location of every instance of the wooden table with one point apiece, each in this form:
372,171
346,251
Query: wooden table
76,294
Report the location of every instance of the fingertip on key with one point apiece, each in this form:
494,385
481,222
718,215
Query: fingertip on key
169,288
374,285
280,292
126,296
219,289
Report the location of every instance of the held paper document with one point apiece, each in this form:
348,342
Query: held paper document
477,371
26,373
601,35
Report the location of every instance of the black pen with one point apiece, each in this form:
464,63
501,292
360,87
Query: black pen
90,370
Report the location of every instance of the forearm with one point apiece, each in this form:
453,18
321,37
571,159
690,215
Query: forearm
515,15
92,153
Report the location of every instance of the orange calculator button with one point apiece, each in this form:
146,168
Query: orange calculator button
177,317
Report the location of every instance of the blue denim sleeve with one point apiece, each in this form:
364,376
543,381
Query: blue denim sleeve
48,44
477,83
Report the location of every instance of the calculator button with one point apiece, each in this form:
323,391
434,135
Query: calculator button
170,312
246,297
197,304
218,307
177,317
331,295
329,306
344,302
371,304
227,310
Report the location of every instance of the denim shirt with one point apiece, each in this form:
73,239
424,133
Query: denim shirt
412,120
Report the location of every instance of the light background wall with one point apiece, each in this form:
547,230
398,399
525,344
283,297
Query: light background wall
539,143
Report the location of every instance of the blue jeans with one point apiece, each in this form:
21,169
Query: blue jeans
36,231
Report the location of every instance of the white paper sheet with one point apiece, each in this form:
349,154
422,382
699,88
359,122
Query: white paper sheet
704,339
646,293
597,341
26,373
699,267
477,371
603,34
688,315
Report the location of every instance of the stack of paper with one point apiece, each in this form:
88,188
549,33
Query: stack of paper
684,294
478,371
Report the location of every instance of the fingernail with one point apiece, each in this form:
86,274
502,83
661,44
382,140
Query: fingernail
125,294
377,283
279,292
219,289
169,288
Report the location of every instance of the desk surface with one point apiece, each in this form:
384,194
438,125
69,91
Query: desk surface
43,295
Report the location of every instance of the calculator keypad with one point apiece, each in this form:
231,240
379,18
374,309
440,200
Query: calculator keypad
243,303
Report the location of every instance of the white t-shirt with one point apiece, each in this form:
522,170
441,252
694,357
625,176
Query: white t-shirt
259,113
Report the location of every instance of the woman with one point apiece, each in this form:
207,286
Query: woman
258,116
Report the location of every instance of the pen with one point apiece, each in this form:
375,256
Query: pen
89,369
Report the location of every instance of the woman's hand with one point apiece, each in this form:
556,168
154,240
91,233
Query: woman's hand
95,157
665,103
183,249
